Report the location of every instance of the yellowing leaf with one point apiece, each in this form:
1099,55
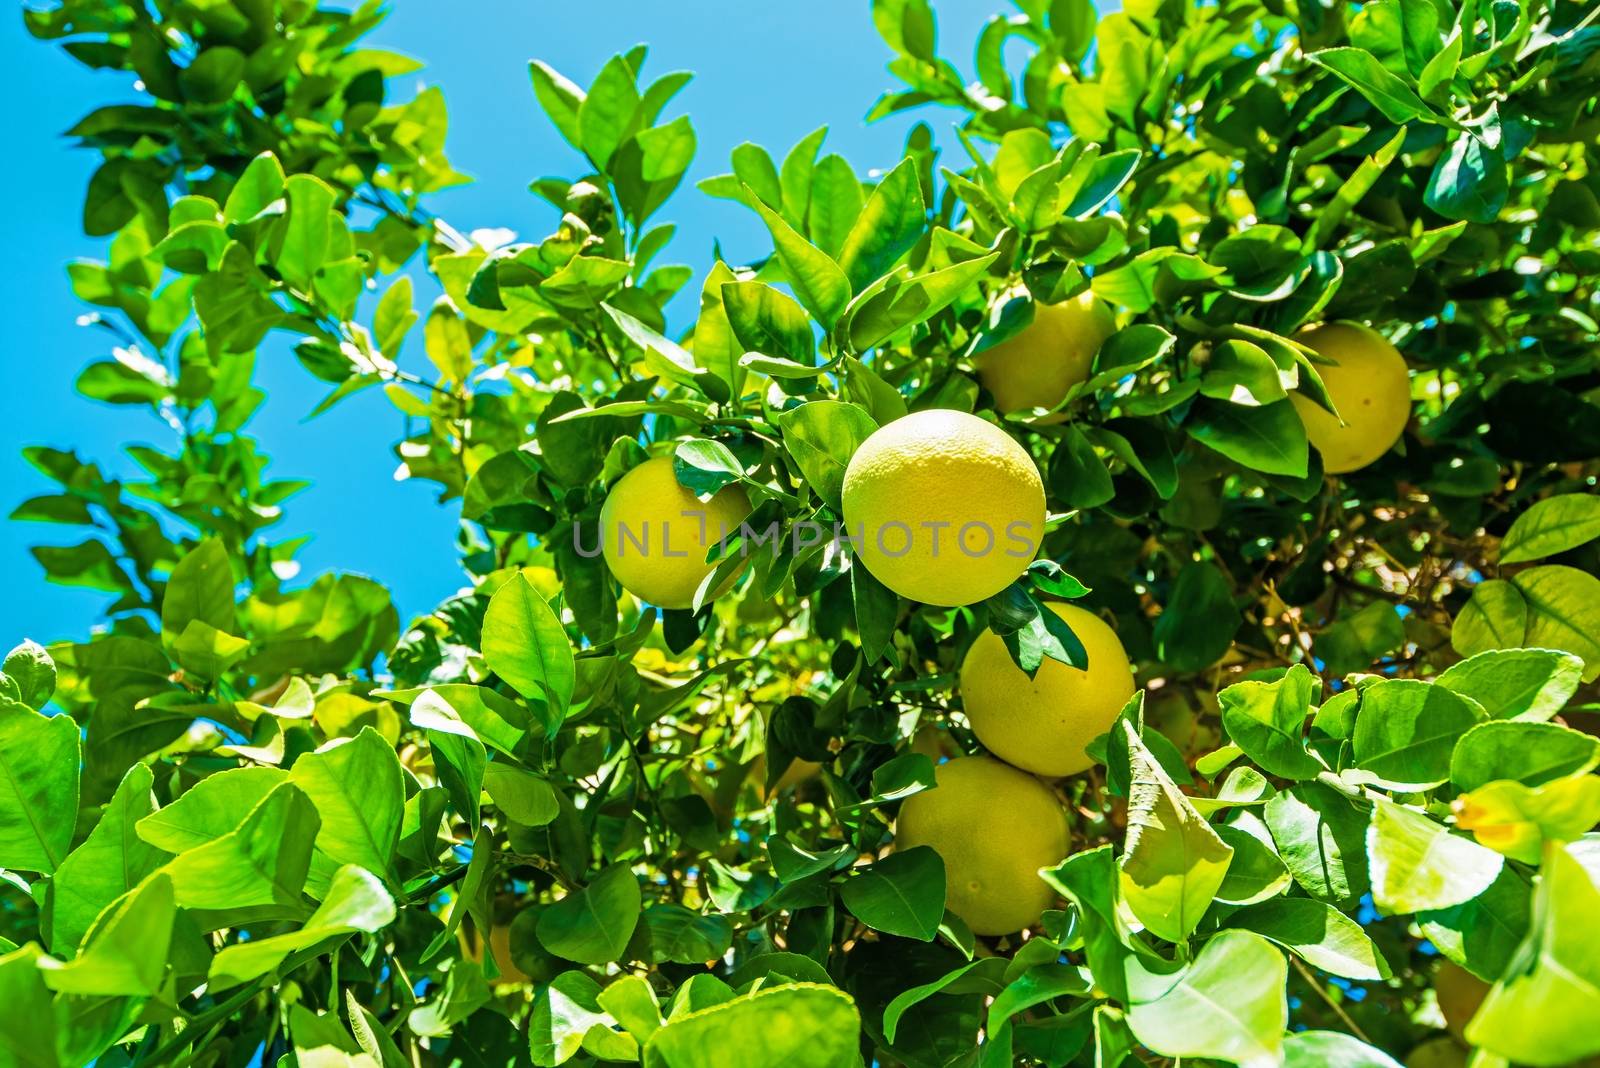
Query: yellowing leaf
1517,820
1173,862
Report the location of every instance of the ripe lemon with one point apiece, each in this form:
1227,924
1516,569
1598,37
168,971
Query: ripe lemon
1369,385
995,827
943,507
655,534
1437,1053
1460,993
1042,724
1037,366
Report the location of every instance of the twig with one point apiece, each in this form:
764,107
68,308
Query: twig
1338,1010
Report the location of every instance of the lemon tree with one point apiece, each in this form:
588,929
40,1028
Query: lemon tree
1115,585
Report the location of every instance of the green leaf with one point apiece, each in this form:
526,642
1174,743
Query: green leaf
1516,683
815,278
1542,1011
714,343
207,651
985,973
1469,181
30,1024
1321,835
213,75
1077,477
109,863
881,313
1366,74
371,1035
126,952
1482,934
464,992
1106,175
1318,933
1351,192
524,797
607,111
1228,1005
1140,443
834,200
33,673
1088,880
261,865
796,173
1495,618
1268,437
1529,753
800,1025
592,925
565,1013
662,356
704,466
902,894
1553,525
459,708
559,98
525,644
754,168
200,589
209,809
1352,643
1406,730
257,189
1434,81
358,788
1563,612
887,227
355,901
1332,1049
821,436
632,1001
448,344
1172,862
460,761
1256,872
1242,373
766,321
304,241
877,610
1265,719
470,895
649,167
1417,864
683,936
39,761
394,317
1197,624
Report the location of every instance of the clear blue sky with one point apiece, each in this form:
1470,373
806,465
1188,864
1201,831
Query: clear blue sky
766,72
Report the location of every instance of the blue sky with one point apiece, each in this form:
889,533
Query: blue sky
766,72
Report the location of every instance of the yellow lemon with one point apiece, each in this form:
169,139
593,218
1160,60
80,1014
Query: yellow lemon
1437,1053
943,507
1042,724
1370,386
995,827
655,534
1459,993
798,772
1037,366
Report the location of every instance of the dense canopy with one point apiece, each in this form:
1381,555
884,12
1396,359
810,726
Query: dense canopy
1288,307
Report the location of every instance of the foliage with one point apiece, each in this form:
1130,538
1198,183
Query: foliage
255,817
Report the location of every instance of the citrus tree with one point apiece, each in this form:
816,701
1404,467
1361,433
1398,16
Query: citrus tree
1125,592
